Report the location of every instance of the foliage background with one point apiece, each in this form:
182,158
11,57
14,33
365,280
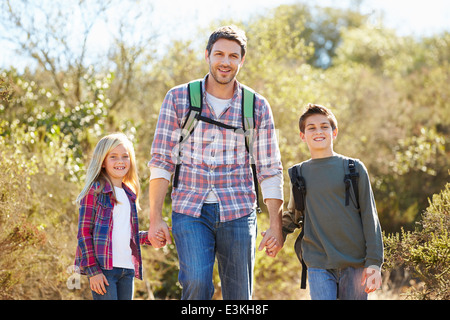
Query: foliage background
390,95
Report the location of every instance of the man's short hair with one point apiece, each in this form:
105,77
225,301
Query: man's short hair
230,33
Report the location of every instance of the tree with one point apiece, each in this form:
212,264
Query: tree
58,37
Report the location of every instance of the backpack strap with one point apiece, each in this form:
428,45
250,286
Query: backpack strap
299,191
298,187
195,110
298,247
248,120
248,123
351,179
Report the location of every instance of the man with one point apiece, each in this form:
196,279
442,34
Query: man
213,201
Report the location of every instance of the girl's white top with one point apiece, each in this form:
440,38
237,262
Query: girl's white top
121,233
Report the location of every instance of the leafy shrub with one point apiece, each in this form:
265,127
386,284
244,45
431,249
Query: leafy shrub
18,237
426,251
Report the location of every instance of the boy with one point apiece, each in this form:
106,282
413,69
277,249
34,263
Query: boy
342,246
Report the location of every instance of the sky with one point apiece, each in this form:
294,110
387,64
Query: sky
181,18
416,17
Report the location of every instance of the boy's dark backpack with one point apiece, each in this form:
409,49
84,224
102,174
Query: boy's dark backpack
299,191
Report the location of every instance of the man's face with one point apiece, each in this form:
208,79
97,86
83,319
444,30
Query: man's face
225,60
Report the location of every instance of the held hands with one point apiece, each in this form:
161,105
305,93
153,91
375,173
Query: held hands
270,242
158,235
273,237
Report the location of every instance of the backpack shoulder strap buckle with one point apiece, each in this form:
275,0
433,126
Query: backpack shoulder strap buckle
351,179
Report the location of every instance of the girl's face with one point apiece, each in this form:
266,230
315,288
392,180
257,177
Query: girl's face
117,164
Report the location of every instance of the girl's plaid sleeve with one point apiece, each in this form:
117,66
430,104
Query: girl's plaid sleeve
86,252
143,238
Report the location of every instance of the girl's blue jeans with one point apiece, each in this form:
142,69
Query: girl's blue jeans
332,284
121,285
201,240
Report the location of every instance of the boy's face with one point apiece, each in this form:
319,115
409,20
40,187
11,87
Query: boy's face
319,135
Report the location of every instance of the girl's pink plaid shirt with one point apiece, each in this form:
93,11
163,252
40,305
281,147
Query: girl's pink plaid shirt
214,158
94,250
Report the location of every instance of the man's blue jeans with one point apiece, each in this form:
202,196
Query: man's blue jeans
121,285
332,284
200,240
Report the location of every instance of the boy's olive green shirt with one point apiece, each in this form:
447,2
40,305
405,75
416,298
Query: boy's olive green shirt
336,235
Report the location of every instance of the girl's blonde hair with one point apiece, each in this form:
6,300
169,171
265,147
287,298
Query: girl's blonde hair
96,173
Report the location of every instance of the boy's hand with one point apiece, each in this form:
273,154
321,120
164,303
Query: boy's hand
98,282
371,278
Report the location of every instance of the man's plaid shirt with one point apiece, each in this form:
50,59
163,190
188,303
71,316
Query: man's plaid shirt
215,158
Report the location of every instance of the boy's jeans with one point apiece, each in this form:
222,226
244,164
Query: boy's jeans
332,284
200,240
121,285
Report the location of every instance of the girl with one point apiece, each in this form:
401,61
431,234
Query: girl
109,239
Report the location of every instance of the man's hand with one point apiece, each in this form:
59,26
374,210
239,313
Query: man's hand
273,237
158,234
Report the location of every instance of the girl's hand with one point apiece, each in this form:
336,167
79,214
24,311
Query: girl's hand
97,283
161,237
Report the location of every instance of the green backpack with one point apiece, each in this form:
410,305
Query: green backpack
195,115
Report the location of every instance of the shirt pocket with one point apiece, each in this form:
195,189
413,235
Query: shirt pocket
103,223
104,212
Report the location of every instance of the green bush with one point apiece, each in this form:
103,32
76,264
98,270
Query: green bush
425,251
18,237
